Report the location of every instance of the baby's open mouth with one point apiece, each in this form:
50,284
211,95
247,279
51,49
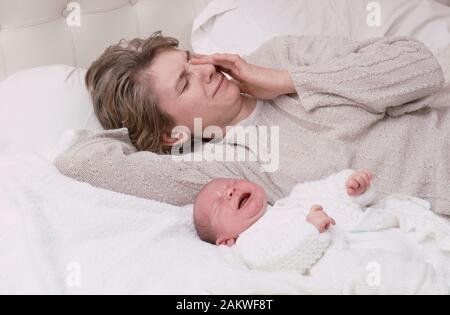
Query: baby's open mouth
243,200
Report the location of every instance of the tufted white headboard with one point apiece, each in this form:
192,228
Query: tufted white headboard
44,32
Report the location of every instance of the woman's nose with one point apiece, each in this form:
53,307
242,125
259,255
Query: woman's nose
207,71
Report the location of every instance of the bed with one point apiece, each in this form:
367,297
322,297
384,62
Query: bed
59,236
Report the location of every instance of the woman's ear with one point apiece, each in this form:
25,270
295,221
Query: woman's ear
176,138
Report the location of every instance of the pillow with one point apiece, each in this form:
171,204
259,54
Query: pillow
38,105
241,26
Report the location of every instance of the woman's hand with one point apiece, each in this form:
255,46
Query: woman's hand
260,82
358,182
320,219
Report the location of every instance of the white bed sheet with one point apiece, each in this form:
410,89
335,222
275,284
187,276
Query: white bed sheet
60,236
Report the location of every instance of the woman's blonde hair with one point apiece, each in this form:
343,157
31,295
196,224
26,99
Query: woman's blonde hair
122,95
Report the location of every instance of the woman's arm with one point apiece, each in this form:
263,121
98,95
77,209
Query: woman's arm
374,74
108,160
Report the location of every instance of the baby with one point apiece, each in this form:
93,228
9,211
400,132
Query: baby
225,208
291,235
297,233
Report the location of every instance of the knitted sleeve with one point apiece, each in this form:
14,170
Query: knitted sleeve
350,213
378,75
333,187
108,160
274,245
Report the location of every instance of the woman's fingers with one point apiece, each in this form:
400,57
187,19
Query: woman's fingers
261,82
233,58
214,59
223,66
195,55
199,59
224,63
227,61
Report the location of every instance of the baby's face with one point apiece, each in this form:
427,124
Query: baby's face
231,206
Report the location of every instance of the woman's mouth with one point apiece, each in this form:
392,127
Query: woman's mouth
243,200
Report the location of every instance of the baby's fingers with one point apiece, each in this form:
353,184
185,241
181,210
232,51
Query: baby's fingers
352,183
366,175
327,226
364,183
361,179
329,223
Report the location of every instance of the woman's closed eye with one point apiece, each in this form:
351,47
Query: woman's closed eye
186,86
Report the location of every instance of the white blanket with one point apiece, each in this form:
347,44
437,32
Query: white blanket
364,238
60,236
65,237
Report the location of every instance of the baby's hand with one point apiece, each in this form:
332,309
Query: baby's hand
358,182
320,219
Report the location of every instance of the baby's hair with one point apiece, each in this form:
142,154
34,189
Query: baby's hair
203,226
204,231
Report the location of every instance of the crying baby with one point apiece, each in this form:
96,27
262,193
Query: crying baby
225,208
236,213
330,229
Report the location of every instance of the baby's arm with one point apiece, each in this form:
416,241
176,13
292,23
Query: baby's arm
354,186
282,242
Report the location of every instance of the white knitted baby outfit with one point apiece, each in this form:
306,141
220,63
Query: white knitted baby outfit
283,240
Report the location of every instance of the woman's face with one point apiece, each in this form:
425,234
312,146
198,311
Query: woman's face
187,91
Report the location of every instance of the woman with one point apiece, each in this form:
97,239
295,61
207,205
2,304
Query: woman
381,104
